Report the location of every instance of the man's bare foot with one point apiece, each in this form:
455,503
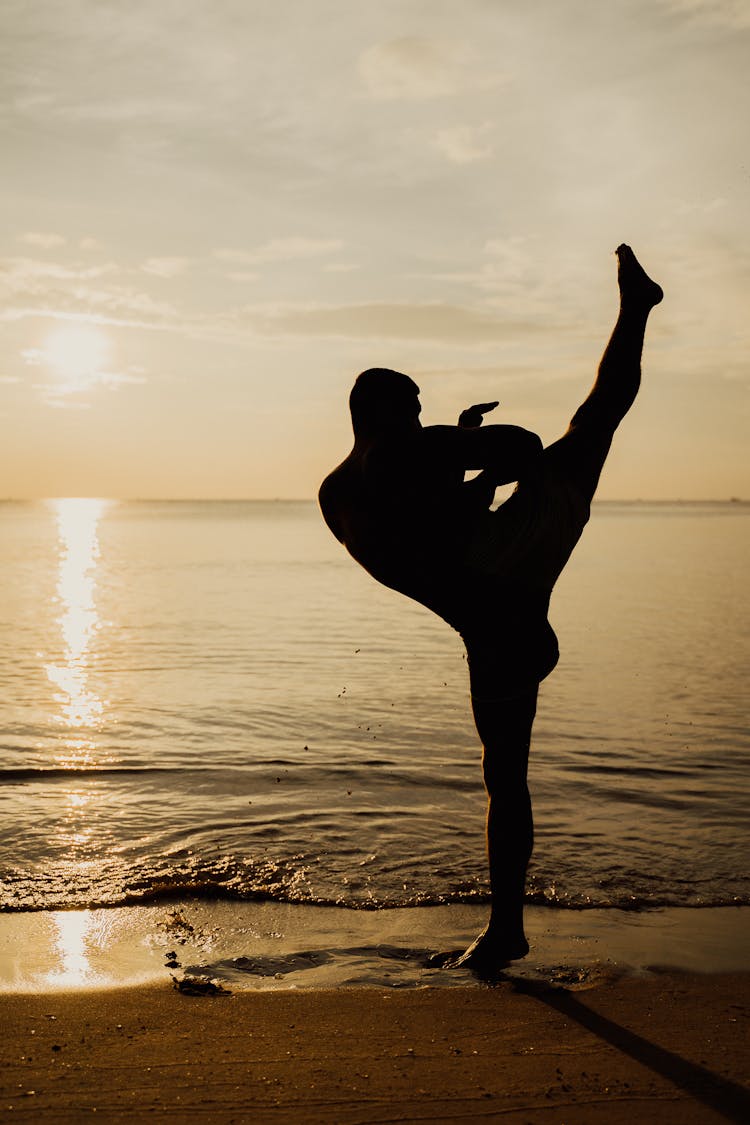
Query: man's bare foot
486,956
636,287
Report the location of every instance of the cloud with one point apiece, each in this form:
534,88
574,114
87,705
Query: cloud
242,276
30,287
514,255
41,239
282,250
165,267
416,68
122,110
512,267
734,14
464,144
439,321
512,301
30,275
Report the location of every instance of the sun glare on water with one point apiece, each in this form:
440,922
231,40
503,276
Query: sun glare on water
80,708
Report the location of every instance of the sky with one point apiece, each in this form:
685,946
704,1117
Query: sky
217,212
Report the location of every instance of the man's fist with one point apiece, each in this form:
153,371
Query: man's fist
472,417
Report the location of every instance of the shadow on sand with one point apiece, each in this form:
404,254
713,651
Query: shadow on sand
722,1095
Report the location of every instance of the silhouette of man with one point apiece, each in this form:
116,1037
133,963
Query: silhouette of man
401,507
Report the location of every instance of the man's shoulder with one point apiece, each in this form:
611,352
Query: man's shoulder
338,493
330,489
338,481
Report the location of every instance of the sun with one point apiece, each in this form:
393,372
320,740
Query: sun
78,354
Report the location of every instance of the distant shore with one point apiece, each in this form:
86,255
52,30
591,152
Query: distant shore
659,500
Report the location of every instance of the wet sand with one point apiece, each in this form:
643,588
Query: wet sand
666,1047
329,1015
276,945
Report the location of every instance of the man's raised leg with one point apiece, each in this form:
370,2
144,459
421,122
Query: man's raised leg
581,452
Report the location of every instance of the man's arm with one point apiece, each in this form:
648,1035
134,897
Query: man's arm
479,491
506,452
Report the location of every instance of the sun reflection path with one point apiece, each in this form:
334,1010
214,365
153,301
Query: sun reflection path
80,708
72,929
76,935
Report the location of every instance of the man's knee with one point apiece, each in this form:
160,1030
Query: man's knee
579,455
505,771
505,722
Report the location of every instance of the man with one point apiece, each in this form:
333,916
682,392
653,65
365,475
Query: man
401,507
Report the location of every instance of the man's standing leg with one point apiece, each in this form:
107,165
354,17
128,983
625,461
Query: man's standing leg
504,726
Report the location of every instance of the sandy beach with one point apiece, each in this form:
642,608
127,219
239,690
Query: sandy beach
668,1047
349,1028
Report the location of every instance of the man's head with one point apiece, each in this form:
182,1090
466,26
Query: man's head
382,399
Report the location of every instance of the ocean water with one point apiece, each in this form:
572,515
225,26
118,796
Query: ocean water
212,698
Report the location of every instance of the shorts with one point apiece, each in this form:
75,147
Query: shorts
531,536
513,560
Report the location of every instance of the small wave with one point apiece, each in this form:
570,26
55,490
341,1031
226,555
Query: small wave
43,773
286,882
626,770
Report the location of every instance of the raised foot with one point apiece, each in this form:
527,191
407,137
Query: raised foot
486,956
636,287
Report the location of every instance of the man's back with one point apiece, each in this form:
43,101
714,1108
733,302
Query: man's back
398,511
401,508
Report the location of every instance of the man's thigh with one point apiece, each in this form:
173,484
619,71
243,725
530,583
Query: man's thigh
509,654
534,532
579,455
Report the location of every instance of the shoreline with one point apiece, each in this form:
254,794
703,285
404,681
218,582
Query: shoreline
587,1029
262,946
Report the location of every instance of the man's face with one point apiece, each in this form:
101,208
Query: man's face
412,405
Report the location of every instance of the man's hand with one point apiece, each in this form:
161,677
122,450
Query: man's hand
472,417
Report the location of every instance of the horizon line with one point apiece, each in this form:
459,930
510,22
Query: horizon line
312,499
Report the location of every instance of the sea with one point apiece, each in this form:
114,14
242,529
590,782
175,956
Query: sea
210,700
